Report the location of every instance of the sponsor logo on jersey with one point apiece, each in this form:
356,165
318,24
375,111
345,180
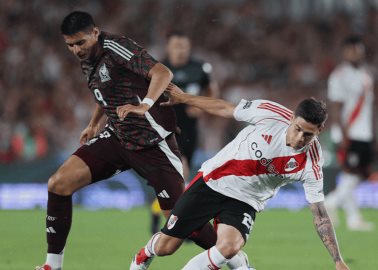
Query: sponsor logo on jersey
266,162
267,138
292,164
104,74
172,221
247,104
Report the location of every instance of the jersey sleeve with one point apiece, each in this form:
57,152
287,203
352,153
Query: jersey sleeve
313,174
252,111
336,92
130,55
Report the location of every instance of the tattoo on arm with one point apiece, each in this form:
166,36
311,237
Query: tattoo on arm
325,229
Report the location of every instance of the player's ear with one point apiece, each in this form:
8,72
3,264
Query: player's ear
96,31
321,127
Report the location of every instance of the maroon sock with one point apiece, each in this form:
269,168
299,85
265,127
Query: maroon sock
206,237
58,221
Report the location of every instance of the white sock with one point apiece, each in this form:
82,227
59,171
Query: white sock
149,249
209,259
55,260
236,262
349,185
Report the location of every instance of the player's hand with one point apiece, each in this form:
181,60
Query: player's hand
123,111
175,95
88,133
340,265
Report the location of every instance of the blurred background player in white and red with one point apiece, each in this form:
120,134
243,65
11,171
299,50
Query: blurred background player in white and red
351,93
193,76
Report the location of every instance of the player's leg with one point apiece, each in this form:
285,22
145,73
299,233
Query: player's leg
72,175
85,166
234,224
183,220
155,216
230,241
155,206
360,158
162,168
357,160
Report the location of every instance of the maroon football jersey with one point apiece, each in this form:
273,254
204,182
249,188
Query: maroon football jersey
119,76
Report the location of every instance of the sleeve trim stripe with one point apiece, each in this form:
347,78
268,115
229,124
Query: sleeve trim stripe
119,46
278,107
277,110
122,51
315,158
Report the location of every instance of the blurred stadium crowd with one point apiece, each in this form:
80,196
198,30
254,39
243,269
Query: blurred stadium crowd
276,49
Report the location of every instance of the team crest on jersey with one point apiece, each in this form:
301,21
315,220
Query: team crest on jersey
291,165
172,221
104,74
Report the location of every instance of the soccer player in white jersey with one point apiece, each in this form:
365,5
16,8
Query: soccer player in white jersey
351,93
276,148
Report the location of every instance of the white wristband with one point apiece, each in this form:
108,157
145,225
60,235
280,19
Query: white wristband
148,101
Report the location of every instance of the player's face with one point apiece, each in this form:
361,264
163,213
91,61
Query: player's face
82,44
354,53
178,50
301,133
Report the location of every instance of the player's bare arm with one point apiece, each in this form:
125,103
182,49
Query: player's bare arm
93,127
327,234
160,76
210,105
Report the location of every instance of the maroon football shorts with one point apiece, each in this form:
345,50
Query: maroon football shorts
159,165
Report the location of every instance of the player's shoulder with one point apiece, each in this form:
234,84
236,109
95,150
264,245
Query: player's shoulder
114,43
340,70
272,106
314,150
259,110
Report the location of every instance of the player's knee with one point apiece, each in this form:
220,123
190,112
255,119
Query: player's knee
229,247
58,185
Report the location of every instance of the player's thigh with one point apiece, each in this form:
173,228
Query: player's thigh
162,168
71,176
237,214
196,206
103,156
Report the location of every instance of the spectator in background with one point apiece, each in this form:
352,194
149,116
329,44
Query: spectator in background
351,93
193,76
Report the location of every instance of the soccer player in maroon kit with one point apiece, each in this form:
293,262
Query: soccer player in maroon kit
126,82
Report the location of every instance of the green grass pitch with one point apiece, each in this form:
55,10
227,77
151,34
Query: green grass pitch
108,239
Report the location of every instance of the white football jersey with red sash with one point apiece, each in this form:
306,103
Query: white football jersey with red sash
353,86
254,166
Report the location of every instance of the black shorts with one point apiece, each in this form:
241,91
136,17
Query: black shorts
159,165
358,157
199,204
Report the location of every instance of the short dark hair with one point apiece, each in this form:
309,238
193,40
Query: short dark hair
176,33
313,111
353,40
75,22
